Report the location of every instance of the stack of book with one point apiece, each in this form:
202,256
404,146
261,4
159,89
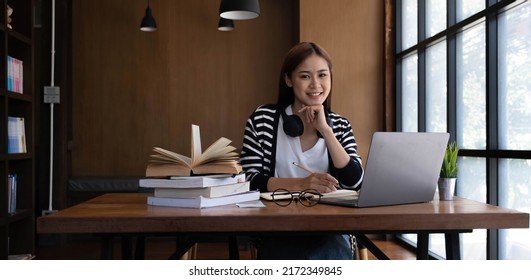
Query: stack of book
199,191
205,179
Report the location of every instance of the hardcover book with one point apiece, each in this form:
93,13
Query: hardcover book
12,193
203,202
192,181
208,192
16,135
218,158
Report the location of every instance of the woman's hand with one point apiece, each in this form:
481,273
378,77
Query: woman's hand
321,182
315,115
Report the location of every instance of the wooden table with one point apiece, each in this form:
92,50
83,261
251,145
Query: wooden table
129,214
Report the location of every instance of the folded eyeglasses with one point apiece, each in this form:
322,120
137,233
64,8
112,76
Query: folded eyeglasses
308,198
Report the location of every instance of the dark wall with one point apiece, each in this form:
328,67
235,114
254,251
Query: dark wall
124,91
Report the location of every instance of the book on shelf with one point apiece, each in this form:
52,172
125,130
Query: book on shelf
203,202
218,158
16,135
199,181
207,192
12,193
15,74
9,73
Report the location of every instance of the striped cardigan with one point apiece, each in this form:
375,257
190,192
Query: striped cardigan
259,149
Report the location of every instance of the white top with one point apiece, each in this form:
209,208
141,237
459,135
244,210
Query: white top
289,150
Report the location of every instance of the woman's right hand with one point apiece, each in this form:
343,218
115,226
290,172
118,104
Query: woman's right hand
321,182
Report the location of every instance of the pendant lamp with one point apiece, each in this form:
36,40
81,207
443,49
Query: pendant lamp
148,22
239,9
225,24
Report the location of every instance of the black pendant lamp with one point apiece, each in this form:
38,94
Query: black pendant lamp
239,9
148,22
225,24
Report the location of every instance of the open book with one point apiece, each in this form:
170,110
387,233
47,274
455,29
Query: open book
218,158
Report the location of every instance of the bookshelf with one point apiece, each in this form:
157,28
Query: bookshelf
17,228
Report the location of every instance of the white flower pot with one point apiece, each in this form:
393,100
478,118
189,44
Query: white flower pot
446,188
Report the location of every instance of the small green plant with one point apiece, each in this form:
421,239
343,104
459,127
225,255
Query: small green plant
449,165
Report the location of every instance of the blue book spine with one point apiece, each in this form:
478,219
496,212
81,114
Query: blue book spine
9,73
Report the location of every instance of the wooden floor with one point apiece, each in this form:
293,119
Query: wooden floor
160,248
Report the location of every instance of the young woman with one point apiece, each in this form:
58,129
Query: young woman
301,129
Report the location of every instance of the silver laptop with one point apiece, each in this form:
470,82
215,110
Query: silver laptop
401,168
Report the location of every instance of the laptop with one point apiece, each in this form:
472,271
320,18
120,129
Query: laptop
401,168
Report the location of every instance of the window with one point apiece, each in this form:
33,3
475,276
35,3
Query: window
464,66
436,93
514,120
471,88
410,96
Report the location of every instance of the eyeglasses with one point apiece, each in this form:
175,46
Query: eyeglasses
308,198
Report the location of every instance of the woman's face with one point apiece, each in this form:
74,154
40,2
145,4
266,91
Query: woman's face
310,81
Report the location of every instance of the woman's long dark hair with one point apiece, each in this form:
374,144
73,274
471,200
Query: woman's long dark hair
295,56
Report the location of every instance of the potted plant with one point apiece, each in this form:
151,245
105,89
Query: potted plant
448,172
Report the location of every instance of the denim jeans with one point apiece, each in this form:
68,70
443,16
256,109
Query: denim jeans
304,247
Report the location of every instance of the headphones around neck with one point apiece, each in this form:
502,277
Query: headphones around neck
293,125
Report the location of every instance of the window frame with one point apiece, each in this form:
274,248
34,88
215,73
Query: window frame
491,153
